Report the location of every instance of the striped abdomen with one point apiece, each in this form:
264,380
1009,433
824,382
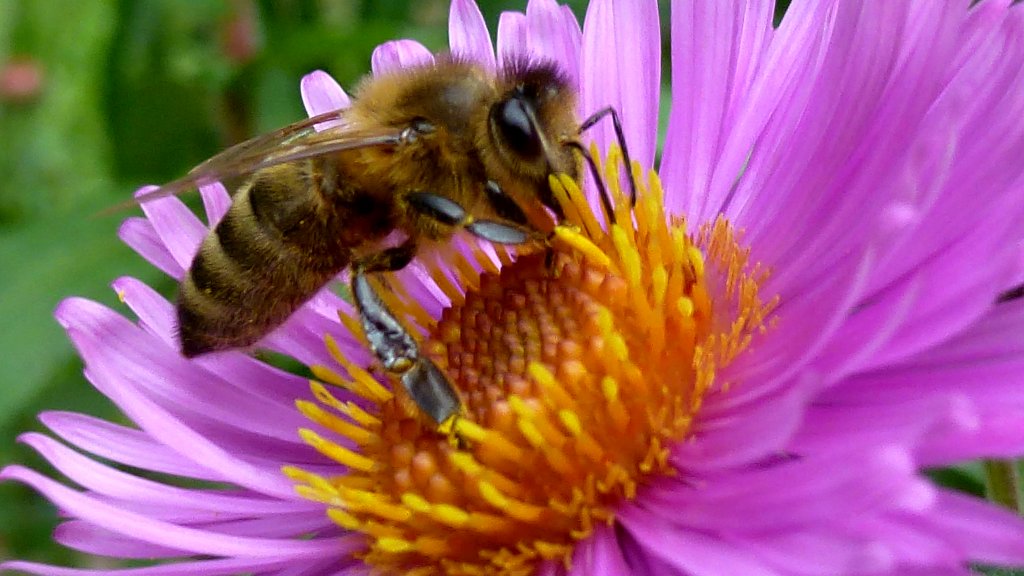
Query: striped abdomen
276,247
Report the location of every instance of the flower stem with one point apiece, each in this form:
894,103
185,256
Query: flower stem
1001,480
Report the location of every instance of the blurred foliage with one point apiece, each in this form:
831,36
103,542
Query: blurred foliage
113,94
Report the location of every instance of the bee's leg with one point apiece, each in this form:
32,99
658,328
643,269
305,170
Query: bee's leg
620,136
602,191
389,340
398,352
430,389
506,207
451,213
500,233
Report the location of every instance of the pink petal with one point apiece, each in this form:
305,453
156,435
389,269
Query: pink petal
321,93
397,54
108,375
219,567
717,49
553,33
123,445
134,360
157,317
690,552
467,33
512,37
998,435
178,228
104,480
912,422
984,533
622,68
90,539
820,553
187,539
140,236
784,492
727,439
599,555
865,334
216,201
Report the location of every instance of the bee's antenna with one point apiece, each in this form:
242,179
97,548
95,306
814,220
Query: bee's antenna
606,200
621,138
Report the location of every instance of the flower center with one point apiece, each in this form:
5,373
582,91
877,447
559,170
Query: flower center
577,368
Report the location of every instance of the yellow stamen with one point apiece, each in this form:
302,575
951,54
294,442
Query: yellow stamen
581,243
362,383
354,412
336,452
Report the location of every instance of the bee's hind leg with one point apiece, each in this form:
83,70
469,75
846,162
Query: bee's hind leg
396,349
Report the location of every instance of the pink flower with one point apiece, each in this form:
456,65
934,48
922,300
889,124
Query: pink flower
870,153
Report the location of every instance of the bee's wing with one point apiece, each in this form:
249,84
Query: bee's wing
293,142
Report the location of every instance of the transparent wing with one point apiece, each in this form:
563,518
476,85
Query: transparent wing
288,144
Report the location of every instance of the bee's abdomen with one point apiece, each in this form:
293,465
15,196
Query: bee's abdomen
271,253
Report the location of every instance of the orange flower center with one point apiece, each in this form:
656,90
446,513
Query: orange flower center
577,371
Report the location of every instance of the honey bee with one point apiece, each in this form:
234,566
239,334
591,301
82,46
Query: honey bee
425,151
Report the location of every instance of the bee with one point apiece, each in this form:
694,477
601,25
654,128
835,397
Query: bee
424,151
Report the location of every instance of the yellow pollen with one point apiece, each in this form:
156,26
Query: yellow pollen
578,365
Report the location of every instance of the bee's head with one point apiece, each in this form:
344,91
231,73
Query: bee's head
529,125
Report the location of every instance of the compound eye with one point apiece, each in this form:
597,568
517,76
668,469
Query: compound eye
512,119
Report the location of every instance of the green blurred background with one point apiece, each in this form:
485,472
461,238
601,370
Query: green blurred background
98,97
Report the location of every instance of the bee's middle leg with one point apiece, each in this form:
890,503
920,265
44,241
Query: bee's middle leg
449,212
